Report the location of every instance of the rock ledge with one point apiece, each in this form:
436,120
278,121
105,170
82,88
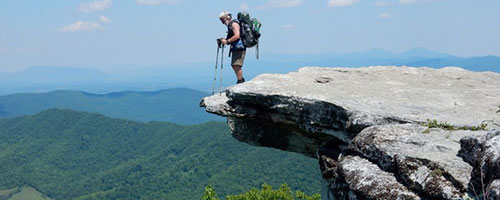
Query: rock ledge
367,127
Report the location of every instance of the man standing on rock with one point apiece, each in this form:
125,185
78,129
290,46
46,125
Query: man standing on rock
237,51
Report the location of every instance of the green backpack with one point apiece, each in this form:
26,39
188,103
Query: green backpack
250,31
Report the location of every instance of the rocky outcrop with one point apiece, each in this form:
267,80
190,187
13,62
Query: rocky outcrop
493,191
361,179
483,153
369,127
426,163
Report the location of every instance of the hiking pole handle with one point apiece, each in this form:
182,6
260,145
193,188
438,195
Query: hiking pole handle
219,42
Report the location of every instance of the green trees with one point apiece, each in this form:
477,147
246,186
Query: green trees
209,194
265,193
66,154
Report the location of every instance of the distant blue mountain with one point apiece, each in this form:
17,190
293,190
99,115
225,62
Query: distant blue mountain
422,53
370,54
417,57
200,75
55,74
485,63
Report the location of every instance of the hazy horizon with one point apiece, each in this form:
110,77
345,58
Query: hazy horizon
107,35
111,69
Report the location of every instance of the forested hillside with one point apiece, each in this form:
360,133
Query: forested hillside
178,105
66,154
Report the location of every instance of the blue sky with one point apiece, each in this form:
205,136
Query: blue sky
110,34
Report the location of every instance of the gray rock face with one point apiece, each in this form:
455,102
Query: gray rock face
483,153
373,95
493,190
365,180
427,163
368,124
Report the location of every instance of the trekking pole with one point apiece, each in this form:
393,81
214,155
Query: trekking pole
257,50
221,68
215,73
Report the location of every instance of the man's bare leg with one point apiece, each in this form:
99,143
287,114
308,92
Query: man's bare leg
238,71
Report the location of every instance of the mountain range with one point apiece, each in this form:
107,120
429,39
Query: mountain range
178,105
200,76
417,57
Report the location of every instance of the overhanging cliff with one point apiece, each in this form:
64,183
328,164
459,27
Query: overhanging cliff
373,128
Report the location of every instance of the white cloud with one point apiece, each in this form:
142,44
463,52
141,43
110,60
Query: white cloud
288,26
407,1
382,3
2,49
95,6
105,19
281,4
416,1
341,3
384,15
155,2
81,26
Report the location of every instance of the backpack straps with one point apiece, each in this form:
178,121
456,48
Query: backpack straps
230,25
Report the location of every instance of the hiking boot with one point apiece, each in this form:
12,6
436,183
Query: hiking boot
240,81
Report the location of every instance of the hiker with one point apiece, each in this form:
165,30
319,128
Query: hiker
237,50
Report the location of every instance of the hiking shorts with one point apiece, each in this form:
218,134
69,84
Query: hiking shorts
237,58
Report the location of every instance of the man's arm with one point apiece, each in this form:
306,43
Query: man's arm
236,31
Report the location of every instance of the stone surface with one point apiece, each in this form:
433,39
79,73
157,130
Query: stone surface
286,137
217,104
370,95
360,179
427,163
483,153
354,99
369,124
493,190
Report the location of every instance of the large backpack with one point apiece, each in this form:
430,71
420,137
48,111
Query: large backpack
250,31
